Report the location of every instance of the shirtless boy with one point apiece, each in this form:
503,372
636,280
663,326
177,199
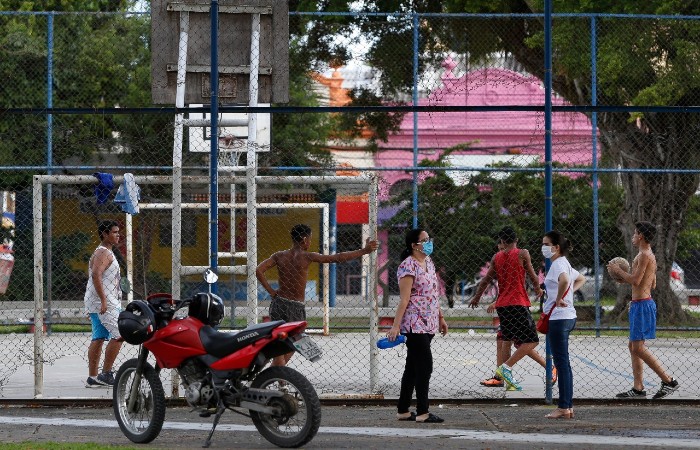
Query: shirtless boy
293,269
642,313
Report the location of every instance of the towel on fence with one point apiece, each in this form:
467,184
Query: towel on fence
104,186
128,194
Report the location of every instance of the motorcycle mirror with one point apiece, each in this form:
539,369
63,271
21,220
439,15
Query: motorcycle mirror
210,276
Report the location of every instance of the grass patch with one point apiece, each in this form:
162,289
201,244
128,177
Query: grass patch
9,329
56,328
457,324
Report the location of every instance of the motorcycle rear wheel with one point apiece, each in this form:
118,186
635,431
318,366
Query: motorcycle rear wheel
144,423
301,416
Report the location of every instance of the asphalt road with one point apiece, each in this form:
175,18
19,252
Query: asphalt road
502,425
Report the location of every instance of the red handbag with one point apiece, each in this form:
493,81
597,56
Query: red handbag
543,323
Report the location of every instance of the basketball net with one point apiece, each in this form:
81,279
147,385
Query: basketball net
230,150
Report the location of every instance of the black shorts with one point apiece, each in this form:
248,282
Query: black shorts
287,310
517,324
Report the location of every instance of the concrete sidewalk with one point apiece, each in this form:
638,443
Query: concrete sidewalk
601,368
505,425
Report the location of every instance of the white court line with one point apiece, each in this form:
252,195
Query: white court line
411,433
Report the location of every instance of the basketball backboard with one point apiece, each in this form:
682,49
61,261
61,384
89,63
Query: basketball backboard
231,139
235,21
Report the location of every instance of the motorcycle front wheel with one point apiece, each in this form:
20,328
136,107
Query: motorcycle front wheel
300,408
144,422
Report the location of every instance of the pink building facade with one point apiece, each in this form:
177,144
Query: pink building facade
515,137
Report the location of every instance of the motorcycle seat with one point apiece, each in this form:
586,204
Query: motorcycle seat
220,344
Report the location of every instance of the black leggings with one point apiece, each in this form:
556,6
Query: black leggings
416,375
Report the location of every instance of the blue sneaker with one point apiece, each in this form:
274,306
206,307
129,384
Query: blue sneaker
106,378
507,376
95,382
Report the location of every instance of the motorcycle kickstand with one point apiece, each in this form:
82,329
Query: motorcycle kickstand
219,411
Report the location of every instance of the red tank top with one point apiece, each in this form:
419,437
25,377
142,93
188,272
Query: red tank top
511,279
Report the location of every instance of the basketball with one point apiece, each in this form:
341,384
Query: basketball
623,264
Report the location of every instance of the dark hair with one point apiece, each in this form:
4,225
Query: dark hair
105,227
559,239
646,229
300,231
411,238
507,235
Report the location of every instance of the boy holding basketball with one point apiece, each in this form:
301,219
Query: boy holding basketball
642,313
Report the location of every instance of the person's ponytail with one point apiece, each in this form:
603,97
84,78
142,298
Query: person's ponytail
559,239
411,238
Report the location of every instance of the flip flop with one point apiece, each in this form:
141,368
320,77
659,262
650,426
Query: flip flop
432,418
411,418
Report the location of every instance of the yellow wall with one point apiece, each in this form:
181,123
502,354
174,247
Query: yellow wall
273,235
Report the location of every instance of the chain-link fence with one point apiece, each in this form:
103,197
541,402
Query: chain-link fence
445,111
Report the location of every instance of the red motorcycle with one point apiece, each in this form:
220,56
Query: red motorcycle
218,370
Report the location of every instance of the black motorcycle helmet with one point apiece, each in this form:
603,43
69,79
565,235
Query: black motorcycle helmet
137,322
208,308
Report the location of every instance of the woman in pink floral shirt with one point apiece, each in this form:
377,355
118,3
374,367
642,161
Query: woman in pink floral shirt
419,318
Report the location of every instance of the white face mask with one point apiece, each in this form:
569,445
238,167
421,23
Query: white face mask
547,251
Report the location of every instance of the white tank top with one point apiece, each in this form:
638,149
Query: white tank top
110,283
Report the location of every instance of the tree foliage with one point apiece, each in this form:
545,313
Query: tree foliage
640,61
98,61
321,42
464,219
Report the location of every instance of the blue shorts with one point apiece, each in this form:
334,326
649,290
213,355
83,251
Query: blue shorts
642,320
99,332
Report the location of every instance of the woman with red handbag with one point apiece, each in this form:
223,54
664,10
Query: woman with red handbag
561,282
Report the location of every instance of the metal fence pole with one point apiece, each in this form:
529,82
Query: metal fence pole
415,119
333,239
38,288
372,286
250,175
548,159
214,158
49,163
594,162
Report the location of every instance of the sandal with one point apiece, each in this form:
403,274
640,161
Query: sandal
432,418
411,418
560,413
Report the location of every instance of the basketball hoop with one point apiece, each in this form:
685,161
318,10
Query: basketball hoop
230,151
229,157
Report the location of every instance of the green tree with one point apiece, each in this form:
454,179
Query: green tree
316,45
640,62
465,219
98,61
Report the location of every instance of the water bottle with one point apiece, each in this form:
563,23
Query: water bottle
386,343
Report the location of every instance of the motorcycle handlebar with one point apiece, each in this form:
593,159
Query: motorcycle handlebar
167,304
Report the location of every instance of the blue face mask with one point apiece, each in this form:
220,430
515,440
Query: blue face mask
428,248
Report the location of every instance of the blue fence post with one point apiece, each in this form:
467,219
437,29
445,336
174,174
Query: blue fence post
415,119
213,159
49,166
594,142
548,160
333,246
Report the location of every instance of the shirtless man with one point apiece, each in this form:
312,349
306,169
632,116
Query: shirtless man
642,313
293,269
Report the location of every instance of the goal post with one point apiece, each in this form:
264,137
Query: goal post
369,182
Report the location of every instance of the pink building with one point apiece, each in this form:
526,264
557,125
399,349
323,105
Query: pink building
502,136
513,137
508,136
